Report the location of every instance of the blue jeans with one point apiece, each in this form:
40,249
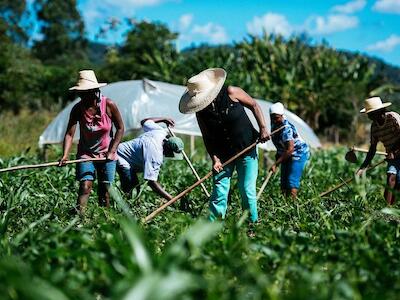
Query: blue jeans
247,169
105,171
393,167
292,170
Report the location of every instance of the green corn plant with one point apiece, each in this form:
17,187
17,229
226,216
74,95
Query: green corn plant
344,246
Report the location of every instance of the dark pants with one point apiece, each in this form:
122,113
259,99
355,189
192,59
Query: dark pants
128,178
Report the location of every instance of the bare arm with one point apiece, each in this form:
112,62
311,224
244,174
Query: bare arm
156,187
247,101
369,157
119,125
289,145
167,121
69,134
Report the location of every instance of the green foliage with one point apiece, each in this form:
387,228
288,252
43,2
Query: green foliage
19,78
20,133
62,29
25,81
11,15
321,85
197,59
148,51
345,246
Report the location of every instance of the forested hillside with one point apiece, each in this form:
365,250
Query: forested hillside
322,85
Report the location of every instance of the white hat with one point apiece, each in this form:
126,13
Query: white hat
202,89
87,81
372,104
276,108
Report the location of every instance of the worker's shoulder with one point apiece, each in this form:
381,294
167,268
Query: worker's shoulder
110,103
393,116
150,125
76,109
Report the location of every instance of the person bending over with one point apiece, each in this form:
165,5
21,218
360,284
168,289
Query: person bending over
145,154
385,128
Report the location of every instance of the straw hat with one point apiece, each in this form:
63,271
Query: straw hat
202,89
372,104
87,81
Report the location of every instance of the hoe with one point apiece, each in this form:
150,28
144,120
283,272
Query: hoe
352,158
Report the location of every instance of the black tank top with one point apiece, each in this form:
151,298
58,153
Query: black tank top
228,128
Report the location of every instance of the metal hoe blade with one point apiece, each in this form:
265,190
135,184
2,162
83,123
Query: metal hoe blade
351,156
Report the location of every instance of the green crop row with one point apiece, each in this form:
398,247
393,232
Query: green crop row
344,246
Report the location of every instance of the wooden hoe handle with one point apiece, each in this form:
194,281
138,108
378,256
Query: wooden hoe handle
191,166
263,186
50,164
348,180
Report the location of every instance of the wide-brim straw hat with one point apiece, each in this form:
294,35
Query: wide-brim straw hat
373,104
87,81
202,89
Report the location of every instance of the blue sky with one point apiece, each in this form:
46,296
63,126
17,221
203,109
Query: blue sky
371,27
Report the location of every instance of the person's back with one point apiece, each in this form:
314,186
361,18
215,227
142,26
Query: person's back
289,133
145,154
385,128
145,149
388,133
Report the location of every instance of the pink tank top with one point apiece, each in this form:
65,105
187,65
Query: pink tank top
95,132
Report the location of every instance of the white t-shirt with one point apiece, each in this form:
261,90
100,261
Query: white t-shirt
144,153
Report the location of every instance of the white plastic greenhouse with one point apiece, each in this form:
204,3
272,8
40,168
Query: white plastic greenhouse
138,99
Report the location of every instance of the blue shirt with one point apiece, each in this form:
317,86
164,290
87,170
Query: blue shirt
144,153
289,133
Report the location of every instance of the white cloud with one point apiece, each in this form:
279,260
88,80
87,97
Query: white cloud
91,16
93,10
334,23
386,45
185,21
214,33
97,13
387,6
270,23
350,7
315,25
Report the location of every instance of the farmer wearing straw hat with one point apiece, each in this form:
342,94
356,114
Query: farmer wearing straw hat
145,154
96,115
226,130
385,128
292,152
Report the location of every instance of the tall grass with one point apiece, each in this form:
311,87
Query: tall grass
20,133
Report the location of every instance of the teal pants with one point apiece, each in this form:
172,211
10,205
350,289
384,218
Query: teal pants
247,170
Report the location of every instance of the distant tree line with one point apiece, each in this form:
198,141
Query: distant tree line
324,86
